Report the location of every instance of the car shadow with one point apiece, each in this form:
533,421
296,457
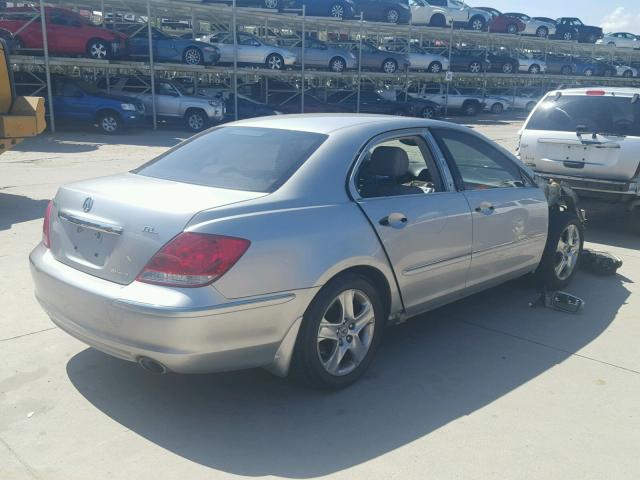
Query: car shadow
18,208
67,140
428,372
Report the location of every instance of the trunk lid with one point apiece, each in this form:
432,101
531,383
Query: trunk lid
110,227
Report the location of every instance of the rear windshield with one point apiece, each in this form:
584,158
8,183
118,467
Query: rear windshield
237,158
592,114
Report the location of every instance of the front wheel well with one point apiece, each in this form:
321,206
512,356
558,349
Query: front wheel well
104,111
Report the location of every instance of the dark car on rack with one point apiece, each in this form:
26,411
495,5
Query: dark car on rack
572,28
76,101
387,103
502,23
501,62
473,61
374,58
321,8
167,48
390,11
590,67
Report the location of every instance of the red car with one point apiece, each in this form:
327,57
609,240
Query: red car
501,23
68,33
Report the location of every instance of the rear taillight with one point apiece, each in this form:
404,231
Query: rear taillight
193,260
46,225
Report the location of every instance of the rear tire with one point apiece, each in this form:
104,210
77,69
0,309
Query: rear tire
392,15
389,66
627,74
275,62
497,108
512,28
588,72
477,23
192,56
566,70
565,230
435,67
542,32
567,36
508,68
337,64
196,120
271,4
428,112
534,69
333,349
336,10
475,67
470,109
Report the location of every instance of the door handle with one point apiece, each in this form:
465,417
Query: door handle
485,208
394,220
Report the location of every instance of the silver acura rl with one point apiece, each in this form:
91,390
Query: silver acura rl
290,242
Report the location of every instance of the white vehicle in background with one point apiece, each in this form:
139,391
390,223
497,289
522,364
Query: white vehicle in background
467,104
521,100
531,64
440,13
620,40
589,139
534,26
419,58
626,71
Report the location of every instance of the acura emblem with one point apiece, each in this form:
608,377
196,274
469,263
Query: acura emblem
88,204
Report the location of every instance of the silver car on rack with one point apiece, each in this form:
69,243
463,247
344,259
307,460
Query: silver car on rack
251,50
234,250
323,55
172,102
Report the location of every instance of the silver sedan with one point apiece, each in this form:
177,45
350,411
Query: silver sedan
235,250
251,50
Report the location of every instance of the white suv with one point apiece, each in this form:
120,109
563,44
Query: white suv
440,13
589,139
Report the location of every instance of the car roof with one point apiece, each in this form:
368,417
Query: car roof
626,91
327,123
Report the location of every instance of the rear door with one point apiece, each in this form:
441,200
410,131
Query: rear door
424,225
593,136
510,213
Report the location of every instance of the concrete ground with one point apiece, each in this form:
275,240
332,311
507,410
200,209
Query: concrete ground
487,388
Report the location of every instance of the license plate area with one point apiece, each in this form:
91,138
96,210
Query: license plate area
89,246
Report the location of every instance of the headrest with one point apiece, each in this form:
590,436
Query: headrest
388,162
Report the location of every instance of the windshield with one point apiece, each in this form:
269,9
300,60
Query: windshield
456,3
238,158
590,114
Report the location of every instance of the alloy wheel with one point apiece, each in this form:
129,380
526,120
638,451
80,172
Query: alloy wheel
507,68
477,24
393,16
588,72
274,62
195,122
109,124
192,57
428,112
271,4
337,65
98,51
435,67
389,66
567,36
567,252
345,333
534,69
475,67
512,28
542,32
337,11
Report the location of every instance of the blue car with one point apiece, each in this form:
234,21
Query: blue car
76,101
593,68
167,48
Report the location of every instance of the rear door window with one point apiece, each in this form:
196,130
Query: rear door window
590,114
238,158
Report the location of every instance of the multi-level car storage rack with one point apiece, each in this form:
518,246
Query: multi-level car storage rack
271,25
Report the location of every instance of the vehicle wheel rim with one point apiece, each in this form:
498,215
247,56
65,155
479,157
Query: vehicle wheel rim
567,36
345,333
389,67
196,122
435,68
337,65
427,113
507,68
392,16
542,32
497,108
567,252
534,69
109,124
275,63
98,50
512,29
271,3
477,25
475,67
337,11
192,57
588,73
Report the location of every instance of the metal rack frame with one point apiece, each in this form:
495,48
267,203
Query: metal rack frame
267,23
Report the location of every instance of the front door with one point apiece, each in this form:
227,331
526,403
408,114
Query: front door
70,102
425,227
510,212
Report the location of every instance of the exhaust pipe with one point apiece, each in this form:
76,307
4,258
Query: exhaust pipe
152,366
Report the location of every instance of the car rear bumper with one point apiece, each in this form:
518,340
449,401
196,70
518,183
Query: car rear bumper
595,185
186,330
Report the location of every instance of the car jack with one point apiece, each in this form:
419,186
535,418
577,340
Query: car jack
556,300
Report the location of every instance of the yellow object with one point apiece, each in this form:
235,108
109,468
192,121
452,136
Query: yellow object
20,117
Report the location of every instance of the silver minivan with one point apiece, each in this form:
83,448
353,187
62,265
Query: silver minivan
589,139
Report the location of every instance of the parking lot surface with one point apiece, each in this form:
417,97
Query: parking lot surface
487,388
